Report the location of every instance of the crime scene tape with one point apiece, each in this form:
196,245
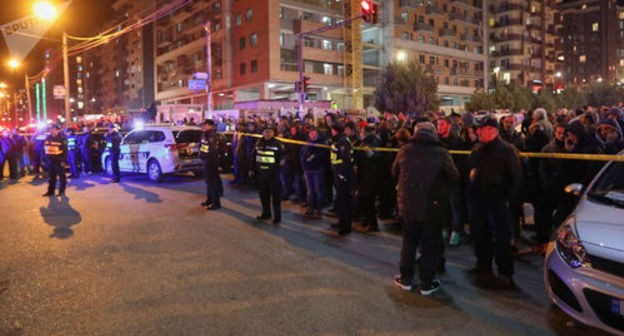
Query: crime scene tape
565,156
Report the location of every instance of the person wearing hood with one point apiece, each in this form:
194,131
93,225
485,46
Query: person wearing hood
426,173
550,188
617,115
609,136
576,141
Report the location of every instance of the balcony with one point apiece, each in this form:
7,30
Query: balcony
536,54
435,69
307,25
463,72
507,52
467,3
503,38
505,7
423,27
507,23
464,19
447,32
434,10
470,37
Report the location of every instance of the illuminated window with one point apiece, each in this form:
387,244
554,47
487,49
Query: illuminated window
249,14
326,20
327,45
595,26
79,59
253,39
239,19
328,69
582,58
404,16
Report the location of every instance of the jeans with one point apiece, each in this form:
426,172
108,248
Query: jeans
315,182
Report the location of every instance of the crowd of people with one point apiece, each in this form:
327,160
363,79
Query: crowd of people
387,167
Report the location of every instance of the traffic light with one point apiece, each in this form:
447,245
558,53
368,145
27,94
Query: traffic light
306,83
370,11
297,86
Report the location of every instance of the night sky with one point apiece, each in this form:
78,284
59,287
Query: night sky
81,18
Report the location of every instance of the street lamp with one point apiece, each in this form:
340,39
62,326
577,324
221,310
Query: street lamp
45,10
13,63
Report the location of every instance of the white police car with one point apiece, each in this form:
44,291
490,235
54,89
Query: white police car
158,150
584,268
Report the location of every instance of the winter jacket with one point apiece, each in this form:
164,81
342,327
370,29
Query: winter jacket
425,173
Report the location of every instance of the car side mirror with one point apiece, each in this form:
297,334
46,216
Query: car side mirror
574,189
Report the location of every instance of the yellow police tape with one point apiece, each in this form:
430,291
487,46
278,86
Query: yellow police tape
566,156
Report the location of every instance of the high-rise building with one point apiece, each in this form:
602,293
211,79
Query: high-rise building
522,42
593,41
118,77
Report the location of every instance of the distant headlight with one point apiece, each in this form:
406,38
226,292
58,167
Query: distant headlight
570,247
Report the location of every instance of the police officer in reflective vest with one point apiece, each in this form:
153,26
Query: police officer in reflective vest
209,153
341,157
269,157
73,153
113,144
55,148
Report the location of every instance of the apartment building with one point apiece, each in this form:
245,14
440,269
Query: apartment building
593,41
118,77
523,35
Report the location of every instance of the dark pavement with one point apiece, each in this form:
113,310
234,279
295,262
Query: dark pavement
137,258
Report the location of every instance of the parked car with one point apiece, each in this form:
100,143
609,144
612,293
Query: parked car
584,268
157,150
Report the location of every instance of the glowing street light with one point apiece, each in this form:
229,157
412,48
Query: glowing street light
3,85
45,10
13,63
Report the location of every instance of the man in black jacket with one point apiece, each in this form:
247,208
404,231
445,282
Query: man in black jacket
426,173
269,157
341,158
209,152
113,139
495,179
56,155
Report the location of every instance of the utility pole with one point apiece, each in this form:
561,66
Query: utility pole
66,79
208,74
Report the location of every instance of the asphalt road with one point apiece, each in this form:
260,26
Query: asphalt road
138,258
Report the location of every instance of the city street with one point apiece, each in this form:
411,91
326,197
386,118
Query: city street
138,258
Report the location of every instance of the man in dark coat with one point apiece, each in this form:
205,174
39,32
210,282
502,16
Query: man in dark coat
495,179
426,173
113,139
56,157
209,153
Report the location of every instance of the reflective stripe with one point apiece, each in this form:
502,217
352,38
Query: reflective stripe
266,153
265,159
53,150
204,149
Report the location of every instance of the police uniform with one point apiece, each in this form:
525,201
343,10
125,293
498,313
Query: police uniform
73,154
114,145
209,151
268,154
55,148
341,157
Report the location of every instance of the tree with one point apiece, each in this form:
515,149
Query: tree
545,100
604,94
480,100
406,88
503,98
571,98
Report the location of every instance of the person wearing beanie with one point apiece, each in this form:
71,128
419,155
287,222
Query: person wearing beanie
426,173
495,179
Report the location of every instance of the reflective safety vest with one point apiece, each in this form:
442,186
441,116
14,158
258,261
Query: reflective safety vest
265,156
205,148
333,156
71,143
53,148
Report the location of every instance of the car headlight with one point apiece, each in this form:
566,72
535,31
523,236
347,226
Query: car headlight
570,247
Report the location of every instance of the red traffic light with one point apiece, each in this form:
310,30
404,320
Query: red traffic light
369,11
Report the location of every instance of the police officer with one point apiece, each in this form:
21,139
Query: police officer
73,153
113,139
341,157
55,148
269,154
87,145
209,152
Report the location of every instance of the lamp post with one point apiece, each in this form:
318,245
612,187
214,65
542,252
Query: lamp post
66,78
208,74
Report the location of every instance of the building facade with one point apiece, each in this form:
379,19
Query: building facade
523,37
593,41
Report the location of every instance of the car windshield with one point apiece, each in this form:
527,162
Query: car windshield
187,136
609,188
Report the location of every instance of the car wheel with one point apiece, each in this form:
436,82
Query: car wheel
153,171
108,166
